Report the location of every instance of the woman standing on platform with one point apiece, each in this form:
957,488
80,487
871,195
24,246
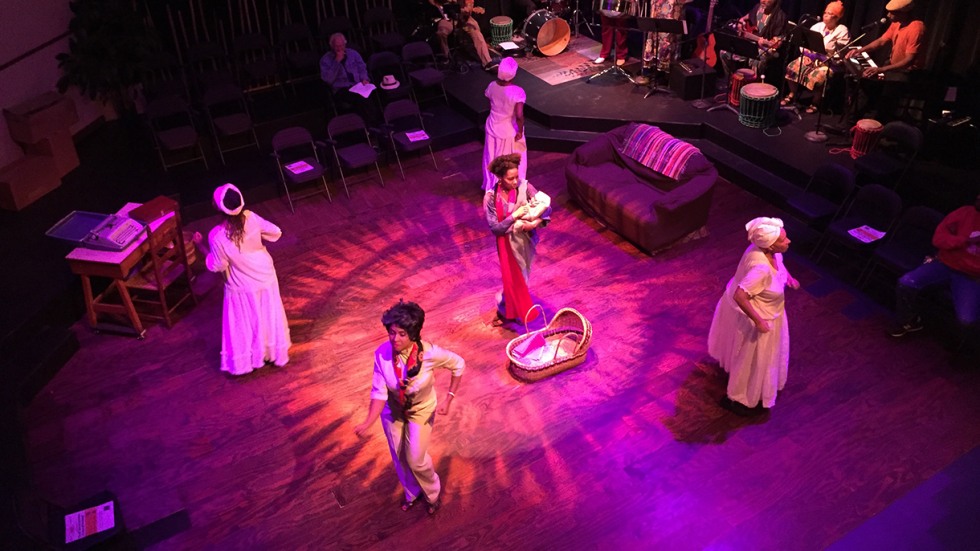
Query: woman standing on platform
515,210
505,124
749,334
253,321
815,67
403,395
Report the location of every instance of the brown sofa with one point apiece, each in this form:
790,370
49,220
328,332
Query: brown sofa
647,208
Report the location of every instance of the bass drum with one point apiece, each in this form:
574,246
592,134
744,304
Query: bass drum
548,33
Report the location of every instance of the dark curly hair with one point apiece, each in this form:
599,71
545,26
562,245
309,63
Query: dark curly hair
407,315
499,166
234,225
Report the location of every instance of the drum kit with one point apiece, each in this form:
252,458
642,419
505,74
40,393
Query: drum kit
546,30
549,29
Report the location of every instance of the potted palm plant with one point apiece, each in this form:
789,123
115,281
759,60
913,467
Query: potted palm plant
107,51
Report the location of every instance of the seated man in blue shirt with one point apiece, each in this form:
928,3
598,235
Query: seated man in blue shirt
341,68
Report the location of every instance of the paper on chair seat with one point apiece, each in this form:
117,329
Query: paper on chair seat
417,135
866,234
299,167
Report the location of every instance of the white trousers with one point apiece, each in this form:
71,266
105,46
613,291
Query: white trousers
408,443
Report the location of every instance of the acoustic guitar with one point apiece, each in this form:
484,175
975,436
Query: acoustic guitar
747,31
706,42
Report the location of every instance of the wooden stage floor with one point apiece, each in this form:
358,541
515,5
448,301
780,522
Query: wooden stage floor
628,451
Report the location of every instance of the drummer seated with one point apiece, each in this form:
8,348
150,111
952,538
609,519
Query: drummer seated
465,22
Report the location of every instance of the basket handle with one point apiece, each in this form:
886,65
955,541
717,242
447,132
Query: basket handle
558,346
531,309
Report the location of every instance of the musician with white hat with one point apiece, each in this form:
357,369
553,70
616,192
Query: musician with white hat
905,36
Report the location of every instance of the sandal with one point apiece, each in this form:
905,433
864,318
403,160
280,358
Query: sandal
787,100
406,504
433,507
811,110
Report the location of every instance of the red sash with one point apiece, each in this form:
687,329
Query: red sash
517,297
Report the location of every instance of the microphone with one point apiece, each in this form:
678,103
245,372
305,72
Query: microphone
874,24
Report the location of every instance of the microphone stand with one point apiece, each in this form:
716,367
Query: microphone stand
576,22
702,103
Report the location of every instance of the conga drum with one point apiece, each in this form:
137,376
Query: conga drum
864,136
740,78
501,29
758,105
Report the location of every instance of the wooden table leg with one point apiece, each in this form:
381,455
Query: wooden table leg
128,305
89,301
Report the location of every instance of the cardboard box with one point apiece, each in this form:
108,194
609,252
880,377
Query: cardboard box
40,117
27,180
59,146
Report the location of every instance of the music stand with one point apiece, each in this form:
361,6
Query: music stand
625,22
734,45
657,26
813,41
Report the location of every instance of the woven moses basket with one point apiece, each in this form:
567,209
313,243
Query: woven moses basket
561,345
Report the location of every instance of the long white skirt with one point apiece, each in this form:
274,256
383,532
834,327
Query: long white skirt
756,362
495,147
254,330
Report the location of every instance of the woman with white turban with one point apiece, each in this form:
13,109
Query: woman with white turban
254,327
749,334
505,124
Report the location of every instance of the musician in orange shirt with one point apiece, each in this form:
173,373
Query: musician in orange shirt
906,36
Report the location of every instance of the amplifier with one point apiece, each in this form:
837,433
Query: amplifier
685,79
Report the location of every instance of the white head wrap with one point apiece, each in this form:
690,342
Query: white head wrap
219,199
507,69
763,231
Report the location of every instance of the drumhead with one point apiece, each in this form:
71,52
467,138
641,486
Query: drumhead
549,33
501,21
745,74
868,124
759,90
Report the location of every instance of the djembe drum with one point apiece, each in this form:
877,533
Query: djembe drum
501,29
740,78
758,105
864,136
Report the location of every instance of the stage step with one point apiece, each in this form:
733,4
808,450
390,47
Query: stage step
542,138
747,175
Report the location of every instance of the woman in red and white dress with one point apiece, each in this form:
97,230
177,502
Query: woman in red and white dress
514,211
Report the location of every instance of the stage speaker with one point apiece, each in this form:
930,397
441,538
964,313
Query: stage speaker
685,79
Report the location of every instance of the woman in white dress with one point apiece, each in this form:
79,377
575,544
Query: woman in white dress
749,334
403,395
254,327
505,124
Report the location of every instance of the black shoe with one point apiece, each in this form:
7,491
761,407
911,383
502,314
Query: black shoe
901,329
492,66
739,408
